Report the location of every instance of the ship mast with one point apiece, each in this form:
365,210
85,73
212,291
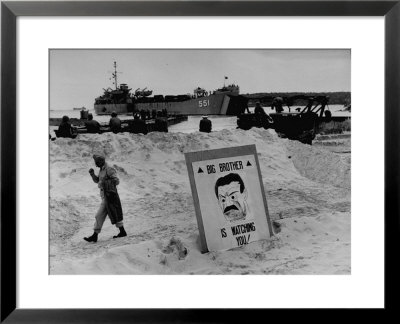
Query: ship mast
114,75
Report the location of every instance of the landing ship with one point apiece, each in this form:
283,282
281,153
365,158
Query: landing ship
223,101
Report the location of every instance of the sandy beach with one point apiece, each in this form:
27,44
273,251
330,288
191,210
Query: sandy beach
307,188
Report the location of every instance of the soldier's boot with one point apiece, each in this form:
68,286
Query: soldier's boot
121,233
92,238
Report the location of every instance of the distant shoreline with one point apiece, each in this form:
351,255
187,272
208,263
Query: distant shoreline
335,97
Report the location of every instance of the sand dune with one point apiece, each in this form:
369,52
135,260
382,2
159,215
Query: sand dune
307,189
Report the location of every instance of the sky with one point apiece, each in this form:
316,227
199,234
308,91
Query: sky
77,77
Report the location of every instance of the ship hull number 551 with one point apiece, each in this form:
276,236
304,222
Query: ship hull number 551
204,103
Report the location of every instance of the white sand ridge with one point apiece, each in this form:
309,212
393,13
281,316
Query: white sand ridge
307,189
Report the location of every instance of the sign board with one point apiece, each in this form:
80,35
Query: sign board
229,197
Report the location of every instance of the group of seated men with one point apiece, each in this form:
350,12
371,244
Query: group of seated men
136,126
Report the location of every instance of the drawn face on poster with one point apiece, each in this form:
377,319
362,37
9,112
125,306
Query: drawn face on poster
230,201
232,197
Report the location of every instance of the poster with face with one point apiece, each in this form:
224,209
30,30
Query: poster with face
229,197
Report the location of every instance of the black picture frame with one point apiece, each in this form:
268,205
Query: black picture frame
10,10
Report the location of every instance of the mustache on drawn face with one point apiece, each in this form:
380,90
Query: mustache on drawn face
231,207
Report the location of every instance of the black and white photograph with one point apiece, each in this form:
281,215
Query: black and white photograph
200,161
